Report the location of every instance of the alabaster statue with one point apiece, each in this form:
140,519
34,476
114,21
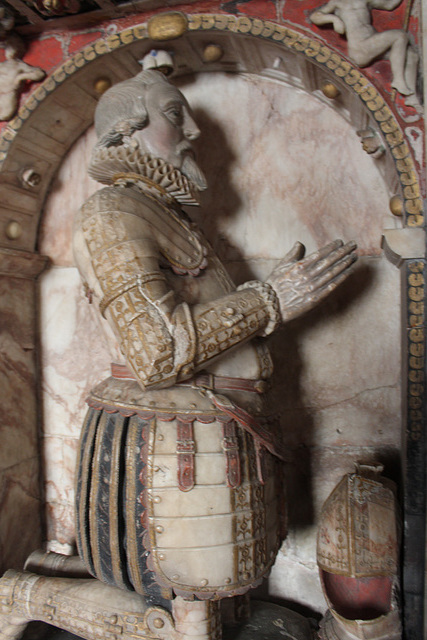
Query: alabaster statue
178,480
352,18
192,502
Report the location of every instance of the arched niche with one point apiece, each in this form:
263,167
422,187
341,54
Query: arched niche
61,110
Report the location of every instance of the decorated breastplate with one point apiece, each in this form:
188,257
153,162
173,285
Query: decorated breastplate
180,244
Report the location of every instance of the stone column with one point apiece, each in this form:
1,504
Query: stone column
20,486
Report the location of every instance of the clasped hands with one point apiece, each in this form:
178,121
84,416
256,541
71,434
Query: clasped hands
301,283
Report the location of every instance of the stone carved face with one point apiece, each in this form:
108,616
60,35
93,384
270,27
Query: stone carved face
150,111
170,125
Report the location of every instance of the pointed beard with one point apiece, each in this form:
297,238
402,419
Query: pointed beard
192,171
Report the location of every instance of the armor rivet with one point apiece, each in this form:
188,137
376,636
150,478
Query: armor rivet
156,469
175,577
229,311
157,499
192,405
162,556
203,582
158,623
159,528
113,620
160,437
227,581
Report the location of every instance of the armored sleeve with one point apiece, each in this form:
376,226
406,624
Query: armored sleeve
162,338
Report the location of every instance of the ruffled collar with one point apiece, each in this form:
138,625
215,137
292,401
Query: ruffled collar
124,165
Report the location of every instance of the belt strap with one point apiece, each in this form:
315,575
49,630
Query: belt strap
185,449
260,433
230,447
203,379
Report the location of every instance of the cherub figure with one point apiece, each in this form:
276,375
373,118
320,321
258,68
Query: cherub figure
353,19
13,71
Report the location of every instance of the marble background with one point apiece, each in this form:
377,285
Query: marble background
282,166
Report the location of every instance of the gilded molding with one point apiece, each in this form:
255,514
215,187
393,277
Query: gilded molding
416,351
314,50
167,26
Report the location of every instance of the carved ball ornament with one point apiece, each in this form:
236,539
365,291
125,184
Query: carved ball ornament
212,53
101,85
13,230
396,206
330,90
167,26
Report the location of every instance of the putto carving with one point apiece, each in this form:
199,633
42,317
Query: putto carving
352,18
13,72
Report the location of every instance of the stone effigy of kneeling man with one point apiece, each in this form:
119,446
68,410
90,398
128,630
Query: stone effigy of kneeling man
179,486
179,489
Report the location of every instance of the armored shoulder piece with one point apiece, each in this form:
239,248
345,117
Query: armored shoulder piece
126,234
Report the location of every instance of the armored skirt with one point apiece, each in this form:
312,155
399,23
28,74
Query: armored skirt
172,496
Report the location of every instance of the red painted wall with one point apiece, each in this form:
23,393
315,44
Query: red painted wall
52,47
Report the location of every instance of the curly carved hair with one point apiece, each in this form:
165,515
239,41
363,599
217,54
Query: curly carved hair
121,110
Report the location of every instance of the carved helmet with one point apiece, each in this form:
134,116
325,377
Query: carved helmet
358,558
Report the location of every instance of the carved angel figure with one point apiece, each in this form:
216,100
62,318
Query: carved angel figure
353,19
13,71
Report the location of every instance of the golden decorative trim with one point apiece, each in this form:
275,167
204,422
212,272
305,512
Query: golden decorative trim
136,177
167,26
416,349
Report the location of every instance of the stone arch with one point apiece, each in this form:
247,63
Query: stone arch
61,108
